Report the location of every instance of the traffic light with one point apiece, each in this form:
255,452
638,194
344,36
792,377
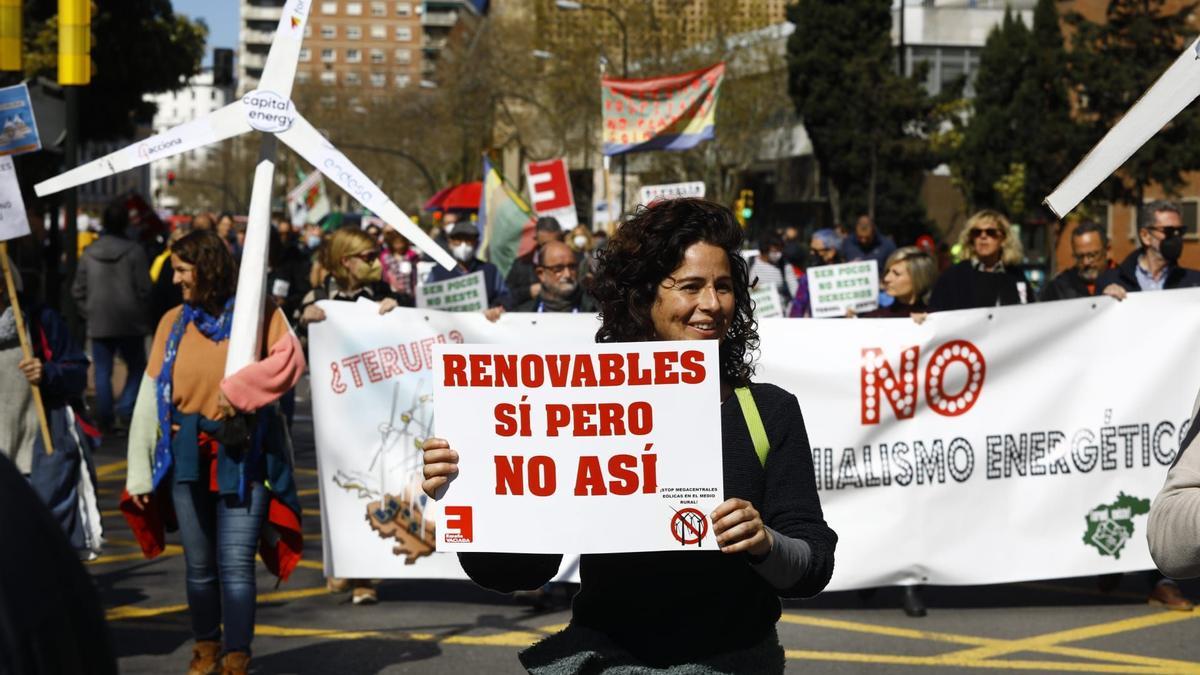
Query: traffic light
743,207
171,178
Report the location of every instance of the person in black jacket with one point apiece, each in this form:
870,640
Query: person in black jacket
523,286
1089,246
1154,266
990,275
674,272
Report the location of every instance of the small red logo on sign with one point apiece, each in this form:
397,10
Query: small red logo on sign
459,525
689,526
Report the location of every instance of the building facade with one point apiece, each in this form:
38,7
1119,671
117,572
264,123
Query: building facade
197,98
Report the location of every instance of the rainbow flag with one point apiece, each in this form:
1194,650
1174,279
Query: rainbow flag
676,112
505,222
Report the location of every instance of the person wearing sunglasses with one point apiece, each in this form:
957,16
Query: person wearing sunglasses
557,270
1089,247
1155,265
990,275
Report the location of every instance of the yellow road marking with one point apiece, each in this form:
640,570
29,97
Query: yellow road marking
933,636
952,661
1038,642
110,513
171,550
107,471
301,471
283,631
135,612
308,493
310,512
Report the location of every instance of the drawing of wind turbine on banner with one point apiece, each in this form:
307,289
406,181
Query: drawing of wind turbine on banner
268,109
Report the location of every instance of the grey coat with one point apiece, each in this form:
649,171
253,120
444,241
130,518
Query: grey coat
1174,530
112,288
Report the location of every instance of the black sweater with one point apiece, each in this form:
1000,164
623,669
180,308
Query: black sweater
675,607
962,286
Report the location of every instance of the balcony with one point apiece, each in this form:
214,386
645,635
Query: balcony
250,13
432,44
253,61
257,37
439,19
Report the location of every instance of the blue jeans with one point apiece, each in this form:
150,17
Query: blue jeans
220,539
132,350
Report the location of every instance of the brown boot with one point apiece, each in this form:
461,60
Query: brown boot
204,657
235,663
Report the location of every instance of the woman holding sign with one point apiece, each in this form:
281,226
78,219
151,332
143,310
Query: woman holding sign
674,272
214,450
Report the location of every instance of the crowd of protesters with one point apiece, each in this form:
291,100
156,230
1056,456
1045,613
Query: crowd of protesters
183,283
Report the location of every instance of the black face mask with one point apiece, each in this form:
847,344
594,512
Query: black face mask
1171,248
815,259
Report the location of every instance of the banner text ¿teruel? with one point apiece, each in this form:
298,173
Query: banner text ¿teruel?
623,474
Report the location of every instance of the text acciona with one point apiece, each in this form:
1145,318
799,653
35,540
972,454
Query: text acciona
532,371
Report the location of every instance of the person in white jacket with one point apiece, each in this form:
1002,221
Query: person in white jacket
1174,530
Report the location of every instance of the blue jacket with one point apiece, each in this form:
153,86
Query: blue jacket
852,251
497,290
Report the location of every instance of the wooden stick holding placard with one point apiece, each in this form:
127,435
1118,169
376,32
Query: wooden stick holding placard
26,349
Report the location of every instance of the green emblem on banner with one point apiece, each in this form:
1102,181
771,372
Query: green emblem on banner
1109,526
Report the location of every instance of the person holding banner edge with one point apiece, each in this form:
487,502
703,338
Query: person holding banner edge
674,272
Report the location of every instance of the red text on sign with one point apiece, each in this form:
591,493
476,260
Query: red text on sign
901,386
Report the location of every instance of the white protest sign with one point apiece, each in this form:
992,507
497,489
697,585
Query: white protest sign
766,302
1171,93
13,221
833,289
467,293
608,448
653,193
550,191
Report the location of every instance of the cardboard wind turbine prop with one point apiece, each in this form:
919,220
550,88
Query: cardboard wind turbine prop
268,109
1173,92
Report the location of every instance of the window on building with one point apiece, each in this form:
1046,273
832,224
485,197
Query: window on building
403,81
403,9
378,9
379,31
403,34
353,32
403,56
303,77
329,8
378,80
328,32
354,8
353,79
328,101
308,30
377,56
353,56
305,54
328,77
329,55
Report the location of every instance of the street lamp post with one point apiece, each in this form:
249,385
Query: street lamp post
571,5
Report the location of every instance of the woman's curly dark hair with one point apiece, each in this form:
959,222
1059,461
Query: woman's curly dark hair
216,272
646,250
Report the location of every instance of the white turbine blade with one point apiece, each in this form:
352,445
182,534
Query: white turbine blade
312,146
246,333
1173,92
211,128
280,69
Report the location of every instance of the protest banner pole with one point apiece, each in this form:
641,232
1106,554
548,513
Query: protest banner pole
26,349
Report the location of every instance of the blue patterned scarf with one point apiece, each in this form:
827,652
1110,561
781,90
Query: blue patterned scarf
215,329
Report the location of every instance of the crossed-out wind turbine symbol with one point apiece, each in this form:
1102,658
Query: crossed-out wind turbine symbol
268,109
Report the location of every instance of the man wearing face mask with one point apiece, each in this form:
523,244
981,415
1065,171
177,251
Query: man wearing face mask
766,267
463,237
1154,266
1089,246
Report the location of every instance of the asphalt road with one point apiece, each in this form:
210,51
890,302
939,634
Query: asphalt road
455,627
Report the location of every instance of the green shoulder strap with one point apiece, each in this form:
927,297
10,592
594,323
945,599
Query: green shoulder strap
758,433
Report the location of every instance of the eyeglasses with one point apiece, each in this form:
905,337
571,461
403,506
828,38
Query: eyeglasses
1090,256
1167,232
978,232
366,256
557,269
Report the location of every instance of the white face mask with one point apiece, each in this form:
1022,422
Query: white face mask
581,241
462,252
774,256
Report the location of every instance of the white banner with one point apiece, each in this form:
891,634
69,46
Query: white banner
620,433
467,293
833,289
982,446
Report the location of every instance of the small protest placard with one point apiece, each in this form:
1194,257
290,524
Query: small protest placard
18,129
833,289
766,301
598,449
653,193
460,294
13,220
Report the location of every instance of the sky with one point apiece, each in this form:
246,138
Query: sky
221,17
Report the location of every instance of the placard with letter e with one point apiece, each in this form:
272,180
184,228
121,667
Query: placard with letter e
604,448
